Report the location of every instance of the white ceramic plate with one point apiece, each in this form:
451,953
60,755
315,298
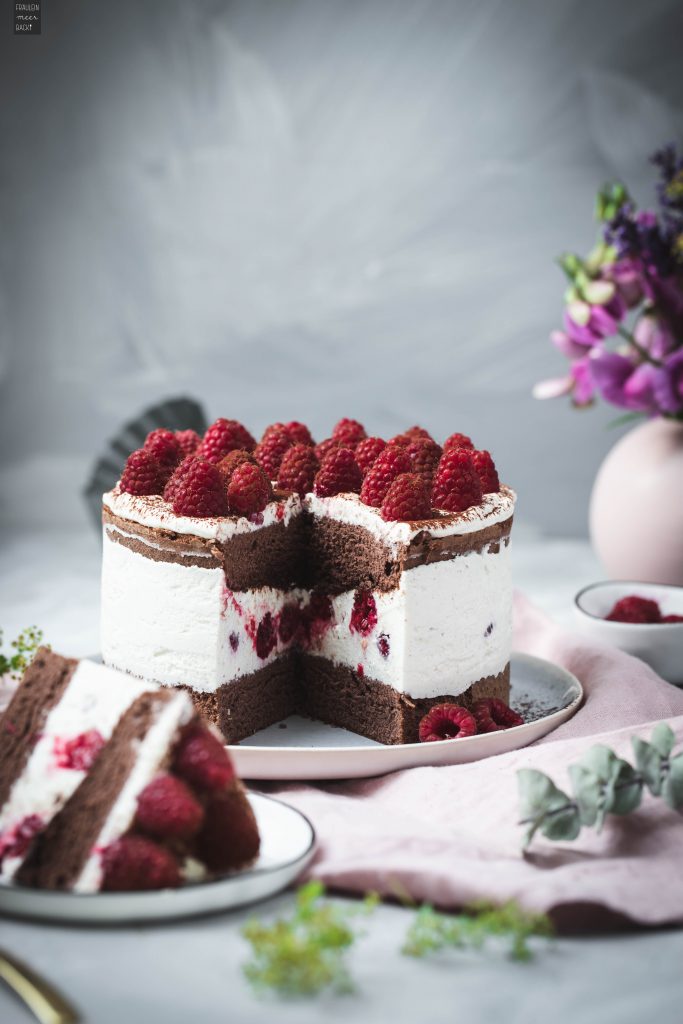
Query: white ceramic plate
544,694
287,841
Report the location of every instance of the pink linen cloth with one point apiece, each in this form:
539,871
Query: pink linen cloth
450,835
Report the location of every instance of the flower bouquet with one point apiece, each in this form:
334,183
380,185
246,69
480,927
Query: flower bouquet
629,289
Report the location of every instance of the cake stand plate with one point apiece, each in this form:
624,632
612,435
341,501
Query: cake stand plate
544,694
287,843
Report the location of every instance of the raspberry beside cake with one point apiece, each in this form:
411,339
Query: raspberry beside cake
338,588
110,784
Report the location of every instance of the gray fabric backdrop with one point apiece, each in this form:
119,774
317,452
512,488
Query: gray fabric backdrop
309,209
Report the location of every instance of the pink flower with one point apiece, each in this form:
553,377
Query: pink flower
627,276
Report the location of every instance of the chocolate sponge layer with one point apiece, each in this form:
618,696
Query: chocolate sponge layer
60,852
44,682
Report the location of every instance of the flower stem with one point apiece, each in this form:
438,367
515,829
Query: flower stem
638,347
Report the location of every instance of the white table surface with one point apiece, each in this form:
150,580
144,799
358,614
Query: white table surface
191,972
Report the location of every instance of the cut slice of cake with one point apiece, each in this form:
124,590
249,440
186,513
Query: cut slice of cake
371,582
143,797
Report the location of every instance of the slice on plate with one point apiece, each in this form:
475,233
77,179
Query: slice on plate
108,783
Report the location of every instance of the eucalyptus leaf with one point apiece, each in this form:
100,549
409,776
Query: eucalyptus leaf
672,786
648,763
562,824
626,791
601,761
587,793
538,797
663,739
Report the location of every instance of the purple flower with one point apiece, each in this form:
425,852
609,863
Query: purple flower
622,383
668,385
587,325
654,335
627,276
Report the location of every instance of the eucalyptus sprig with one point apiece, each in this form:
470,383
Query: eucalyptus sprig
306,953
602,783
432,932
25,647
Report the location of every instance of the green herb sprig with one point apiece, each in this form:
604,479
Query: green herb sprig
432,932
25,647
306,953
602,783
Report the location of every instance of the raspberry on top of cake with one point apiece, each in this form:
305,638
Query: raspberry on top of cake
221,552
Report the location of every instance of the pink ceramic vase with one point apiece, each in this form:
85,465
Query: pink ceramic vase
636,510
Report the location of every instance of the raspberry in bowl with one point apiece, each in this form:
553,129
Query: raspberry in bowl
642,619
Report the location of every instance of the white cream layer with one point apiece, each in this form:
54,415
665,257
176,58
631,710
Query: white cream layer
447,625
95,698
151,753
175,623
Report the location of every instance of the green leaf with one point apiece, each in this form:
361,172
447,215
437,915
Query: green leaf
621,421
538,798
663,739
648,763
672,786
587,793
562,824
626,790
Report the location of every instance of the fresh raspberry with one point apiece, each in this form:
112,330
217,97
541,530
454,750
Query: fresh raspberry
269,452
298,432
672,618
320,608
177,477
229,838
485,467
410,435
367,451
79,753
266,636
17,840
202,759
142,474
446,722
249,490
349,432
290,623
456,484
189,441
407,499
389,464
222,437
323,447
492,715
635,609
231,461
457,441
200,493
339,473
298,468
134,862
364,613
383,645
167,809
164,446
424,455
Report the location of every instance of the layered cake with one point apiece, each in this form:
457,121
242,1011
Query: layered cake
357,581
108,783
